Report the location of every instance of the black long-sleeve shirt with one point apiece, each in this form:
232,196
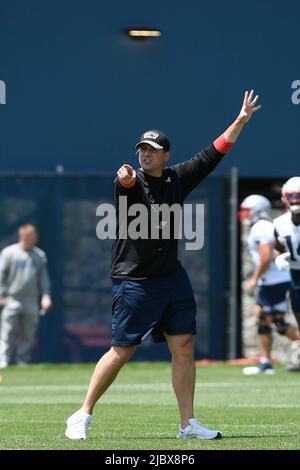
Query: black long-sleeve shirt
149,258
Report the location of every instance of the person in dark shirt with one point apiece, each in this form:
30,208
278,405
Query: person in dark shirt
151,291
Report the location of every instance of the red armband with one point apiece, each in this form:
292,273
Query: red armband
128,185
222,145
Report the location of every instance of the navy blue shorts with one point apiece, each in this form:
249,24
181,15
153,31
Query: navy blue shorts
295,290
273,298
152,306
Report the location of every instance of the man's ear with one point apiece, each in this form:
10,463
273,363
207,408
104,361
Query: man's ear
167,155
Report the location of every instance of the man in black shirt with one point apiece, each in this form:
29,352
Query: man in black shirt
151,290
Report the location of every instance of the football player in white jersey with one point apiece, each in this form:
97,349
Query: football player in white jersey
272,284
287,234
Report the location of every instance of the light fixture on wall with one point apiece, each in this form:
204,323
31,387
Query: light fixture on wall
142,33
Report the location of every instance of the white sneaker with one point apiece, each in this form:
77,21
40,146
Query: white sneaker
22,364
77,425
262,369
196,430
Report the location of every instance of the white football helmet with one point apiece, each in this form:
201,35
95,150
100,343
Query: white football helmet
290,194
254,208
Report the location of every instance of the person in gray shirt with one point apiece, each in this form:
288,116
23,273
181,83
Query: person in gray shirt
24,293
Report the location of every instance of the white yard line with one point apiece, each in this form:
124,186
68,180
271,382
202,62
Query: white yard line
139,386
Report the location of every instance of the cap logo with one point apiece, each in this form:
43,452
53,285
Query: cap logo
150,135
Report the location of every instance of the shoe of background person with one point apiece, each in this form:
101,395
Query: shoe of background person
3,364
293,368
196,430
261,369
77,425
294,365
22,364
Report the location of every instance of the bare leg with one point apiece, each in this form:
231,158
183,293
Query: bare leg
183,374
266,345
105,373
265,339
297,316
292,333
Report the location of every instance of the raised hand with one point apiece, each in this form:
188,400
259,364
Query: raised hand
249,106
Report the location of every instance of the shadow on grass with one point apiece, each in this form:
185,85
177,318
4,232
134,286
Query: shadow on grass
172,438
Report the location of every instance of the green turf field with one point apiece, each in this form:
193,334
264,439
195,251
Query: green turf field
139,411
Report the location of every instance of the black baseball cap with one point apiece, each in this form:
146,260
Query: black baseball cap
156,138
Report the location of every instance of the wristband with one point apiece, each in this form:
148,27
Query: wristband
222,145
